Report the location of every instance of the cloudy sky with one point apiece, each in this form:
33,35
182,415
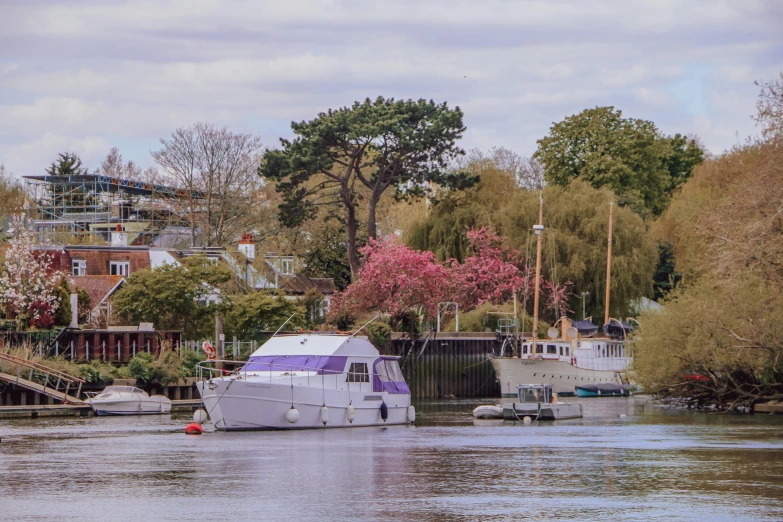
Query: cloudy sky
87,75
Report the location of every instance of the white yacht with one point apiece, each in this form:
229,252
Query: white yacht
565,361
128,400
571,356
309,381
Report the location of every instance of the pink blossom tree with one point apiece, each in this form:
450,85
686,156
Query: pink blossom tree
394,279
27,281
556,297
492,274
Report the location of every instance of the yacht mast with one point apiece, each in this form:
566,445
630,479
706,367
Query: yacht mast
608,267
538,229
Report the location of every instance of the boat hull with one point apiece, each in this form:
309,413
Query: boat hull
235,405
542,411
563,376
151,406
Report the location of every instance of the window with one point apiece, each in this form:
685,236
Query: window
551,348
287,266
524,348
567,350
120,268
539,348
561,351
357,373
79,267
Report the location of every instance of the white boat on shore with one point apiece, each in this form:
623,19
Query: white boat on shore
128,400
309,381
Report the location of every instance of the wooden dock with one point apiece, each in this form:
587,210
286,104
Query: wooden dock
76,410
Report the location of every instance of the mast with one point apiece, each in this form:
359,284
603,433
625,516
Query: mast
538,229
608,266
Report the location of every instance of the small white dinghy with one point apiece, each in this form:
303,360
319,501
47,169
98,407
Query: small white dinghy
128,400
486,411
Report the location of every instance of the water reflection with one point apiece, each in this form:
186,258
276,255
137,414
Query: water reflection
651,464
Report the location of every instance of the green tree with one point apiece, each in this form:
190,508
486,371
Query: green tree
67,164
246,315
174,296
12,194
666,277
374,146
629,156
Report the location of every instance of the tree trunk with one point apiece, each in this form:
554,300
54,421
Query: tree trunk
351,228
372,231
192,220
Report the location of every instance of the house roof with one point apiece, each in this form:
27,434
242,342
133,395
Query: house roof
98,287
299,284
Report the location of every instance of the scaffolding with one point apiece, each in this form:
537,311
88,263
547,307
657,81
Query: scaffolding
95,205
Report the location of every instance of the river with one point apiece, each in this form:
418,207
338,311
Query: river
651,464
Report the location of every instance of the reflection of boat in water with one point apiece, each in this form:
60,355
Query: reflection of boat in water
538,402
128,400
309,381
570,356
606,389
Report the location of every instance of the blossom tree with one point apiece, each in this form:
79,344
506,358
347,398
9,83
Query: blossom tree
492,274
556,297
394,279
27,281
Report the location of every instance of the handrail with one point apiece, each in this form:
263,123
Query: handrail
281,368
40,367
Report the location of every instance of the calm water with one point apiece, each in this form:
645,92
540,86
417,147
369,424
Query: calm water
652,465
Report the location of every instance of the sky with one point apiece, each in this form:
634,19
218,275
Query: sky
89,75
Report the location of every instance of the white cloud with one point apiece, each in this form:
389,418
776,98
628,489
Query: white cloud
92,74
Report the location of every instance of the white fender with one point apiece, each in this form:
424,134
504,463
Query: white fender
324,414
351,412
199,416
292,415
411,414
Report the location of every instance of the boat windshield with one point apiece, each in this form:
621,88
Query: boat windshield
531,395
388,376
121,389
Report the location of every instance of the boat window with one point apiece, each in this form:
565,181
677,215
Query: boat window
524,348
529,395
551,348
392,373
357,373
567,350
539,348
561,351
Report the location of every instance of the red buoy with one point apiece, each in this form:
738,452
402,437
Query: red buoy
193,429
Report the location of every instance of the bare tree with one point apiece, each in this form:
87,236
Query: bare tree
770,107
223,166
115,166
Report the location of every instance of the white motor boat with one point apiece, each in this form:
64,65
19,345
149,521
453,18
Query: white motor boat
538,402
128,400
309,381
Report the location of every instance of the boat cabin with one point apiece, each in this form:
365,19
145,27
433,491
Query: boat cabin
535,393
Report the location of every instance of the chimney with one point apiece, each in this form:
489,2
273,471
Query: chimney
247,245
119,237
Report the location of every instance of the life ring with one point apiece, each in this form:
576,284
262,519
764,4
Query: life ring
209,350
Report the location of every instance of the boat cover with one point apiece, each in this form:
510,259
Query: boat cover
617,329
387,376
280,363
585,328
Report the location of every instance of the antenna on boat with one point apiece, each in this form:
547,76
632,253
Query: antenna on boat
365,324
282,325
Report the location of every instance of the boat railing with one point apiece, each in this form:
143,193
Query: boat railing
213,368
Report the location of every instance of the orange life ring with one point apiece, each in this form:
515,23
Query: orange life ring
209,350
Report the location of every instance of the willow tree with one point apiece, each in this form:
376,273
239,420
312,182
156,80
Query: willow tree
375,145
576,222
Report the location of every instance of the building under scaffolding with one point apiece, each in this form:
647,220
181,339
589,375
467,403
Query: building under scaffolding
64,208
